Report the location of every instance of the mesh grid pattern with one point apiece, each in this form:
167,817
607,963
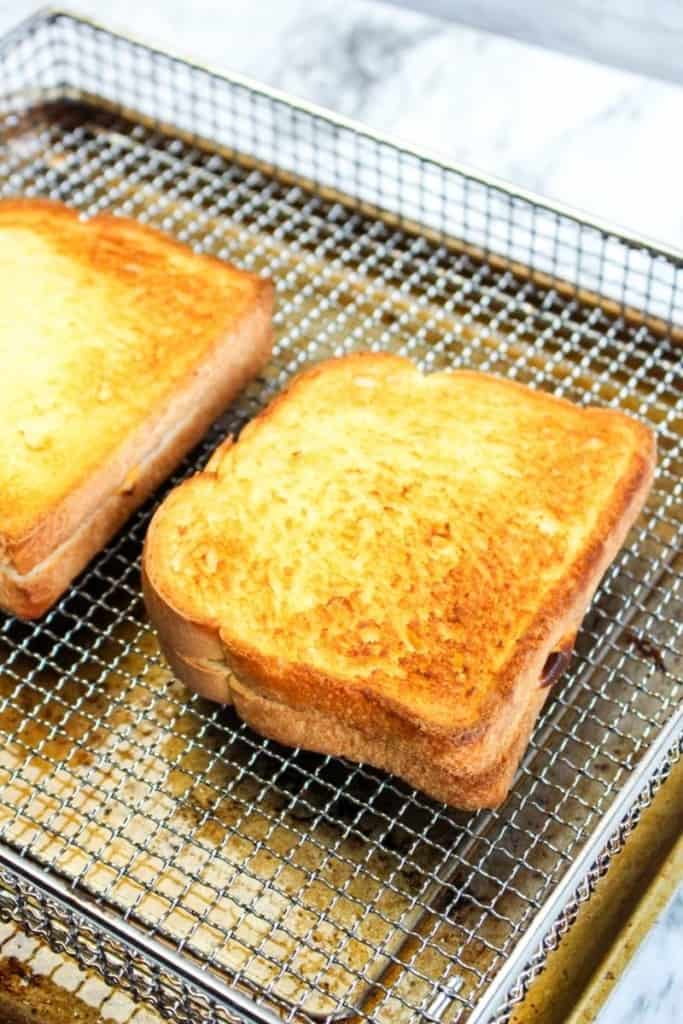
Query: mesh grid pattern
315,886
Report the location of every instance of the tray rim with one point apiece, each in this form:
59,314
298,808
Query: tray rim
133,936
432,155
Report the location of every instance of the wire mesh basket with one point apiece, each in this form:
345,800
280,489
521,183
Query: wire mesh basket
155,837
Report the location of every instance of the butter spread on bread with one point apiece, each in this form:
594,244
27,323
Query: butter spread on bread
387,566
118,348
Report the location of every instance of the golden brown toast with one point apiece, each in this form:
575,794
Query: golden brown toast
118,347
384,564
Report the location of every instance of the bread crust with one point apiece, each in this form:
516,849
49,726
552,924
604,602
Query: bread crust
296,704
414,756
37,565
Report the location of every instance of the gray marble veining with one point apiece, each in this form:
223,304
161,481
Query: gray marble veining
645,36
651,989
604,140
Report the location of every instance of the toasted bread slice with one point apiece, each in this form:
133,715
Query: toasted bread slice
385,563
118,347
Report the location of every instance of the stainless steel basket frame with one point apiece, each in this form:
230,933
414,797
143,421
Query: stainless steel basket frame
402,249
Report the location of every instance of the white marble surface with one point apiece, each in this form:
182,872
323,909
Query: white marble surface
600,139
651,989
603,140
639,35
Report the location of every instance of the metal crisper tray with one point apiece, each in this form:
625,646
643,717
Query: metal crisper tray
152,835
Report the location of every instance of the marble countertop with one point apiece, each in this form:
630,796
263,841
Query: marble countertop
599,139
642,37
651,989
603,140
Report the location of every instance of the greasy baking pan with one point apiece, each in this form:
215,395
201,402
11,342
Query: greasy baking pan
154,836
